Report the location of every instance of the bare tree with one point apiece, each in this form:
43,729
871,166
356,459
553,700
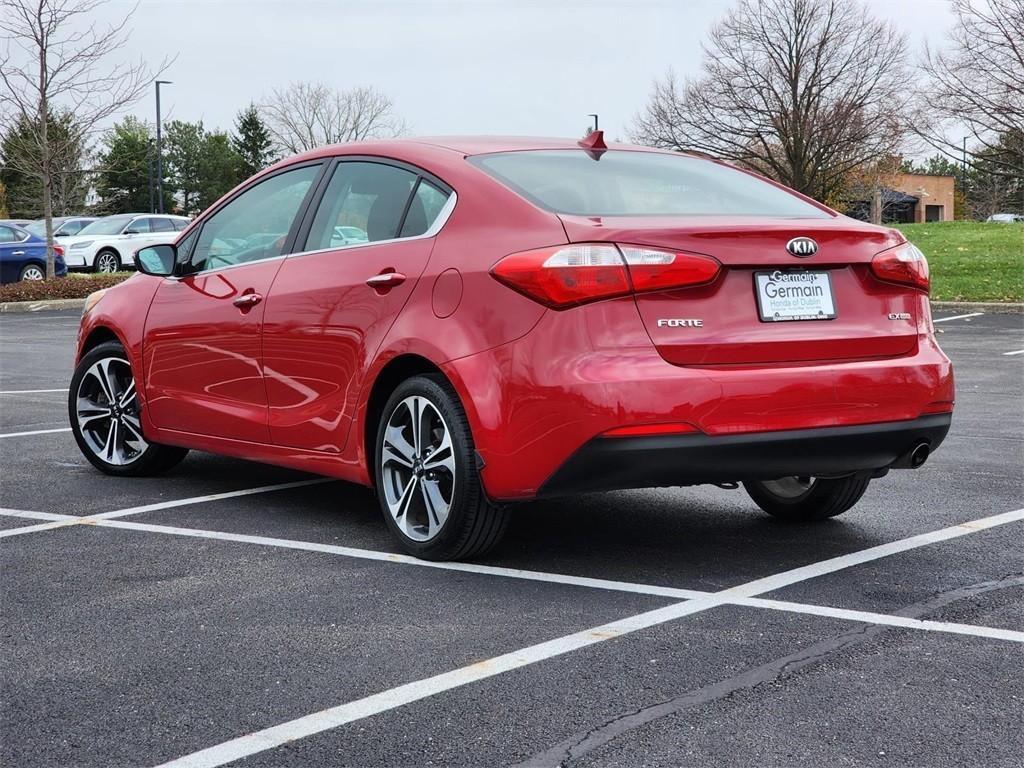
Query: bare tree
801,90
54,57
304,116
976,88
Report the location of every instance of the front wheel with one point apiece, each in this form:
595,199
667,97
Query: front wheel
107,262
427,481
103,406
802,499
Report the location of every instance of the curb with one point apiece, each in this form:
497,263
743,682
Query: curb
39,306
997,307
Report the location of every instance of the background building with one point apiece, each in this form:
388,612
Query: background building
911,198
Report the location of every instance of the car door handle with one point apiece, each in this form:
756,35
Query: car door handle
247,300
18,253
386,280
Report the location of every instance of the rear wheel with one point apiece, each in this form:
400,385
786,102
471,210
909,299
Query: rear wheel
427,481
107,261
801,499
104,410
32,272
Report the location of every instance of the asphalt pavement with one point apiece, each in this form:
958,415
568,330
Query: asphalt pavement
231,613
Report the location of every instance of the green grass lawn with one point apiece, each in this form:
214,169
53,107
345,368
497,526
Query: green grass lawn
972,261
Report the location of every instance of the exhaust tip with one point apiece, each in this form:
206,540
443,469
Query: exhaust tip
919,455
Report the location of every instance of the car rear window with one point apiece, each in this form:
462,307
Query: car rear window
635,183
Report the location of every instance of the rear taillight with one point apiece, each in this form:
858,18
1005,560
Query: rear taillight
903,264
58,250
569,275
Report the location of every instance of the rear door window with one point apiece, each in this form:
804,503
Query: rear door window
426,206
161,225
364,202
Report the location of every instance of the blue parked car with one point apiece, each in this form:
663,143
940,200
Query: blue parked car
23,255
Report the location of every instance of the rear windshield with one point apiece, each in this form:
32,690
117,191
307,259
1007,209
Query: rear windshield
630,183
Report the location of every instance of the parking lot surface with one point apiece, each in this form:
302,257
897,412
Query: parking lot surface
231,613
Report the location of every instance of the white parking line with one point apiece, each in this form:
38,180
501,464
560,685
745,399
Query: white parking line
787,578
317,722
36,432
210,497
30,391
63,521
870,617
956,317
845,561
1017,352
583,581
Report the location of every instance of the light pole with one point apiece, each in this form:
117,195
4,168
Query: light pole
595,120
159,152
149,171
963,179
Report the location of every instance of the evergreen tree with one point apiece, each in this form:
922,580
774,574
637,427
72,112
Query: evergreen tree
19,164
123,181
183,149
251,141
220,166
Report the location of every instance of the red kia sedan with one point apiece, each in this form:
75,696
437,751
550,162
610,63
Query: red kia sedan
461,323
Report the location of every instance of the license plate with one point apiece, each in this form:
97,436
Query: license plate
794,295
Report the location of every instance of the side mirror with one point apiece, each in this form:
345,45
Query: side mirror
157,260
131,232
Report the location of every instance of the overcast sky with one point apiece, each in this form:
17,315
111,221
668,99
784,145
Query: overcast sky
478,66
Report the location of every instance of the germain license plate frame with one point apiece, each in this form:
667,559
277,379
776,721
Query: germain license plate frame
794,295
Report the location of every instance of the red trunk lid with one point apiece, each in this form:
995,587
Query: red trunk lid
872,319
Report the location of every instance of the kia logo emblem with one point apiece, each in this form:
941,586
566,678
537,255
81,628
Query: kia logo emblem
802,247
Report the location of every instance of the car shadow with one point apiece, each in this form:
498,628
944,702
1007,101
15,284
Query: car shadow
697,538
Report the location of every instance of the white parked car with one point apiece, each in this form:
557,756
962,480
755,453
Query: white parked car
1005,218
110,243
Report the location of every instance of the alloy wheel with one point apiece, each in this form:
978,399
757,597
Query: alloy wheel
418,468
106,262
790,487
108,412
33,273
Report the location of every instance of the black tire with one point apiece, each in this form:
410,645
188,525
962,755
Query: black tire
32,272
473,525
104,257
821,500
151,460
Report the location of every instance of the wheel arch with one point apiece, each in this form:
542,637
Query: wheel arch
394,372
99,334
106,247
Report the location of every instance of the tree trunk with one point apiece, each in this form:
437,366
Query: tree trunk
876,205
47,176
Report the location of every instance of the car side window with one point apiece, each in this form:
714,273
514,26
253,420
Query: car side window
8,235
72,227
426,206
137,227
364,202
254,225
161,225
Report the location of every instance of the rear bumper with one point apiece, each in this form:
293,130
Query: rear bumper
534,403
605,464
